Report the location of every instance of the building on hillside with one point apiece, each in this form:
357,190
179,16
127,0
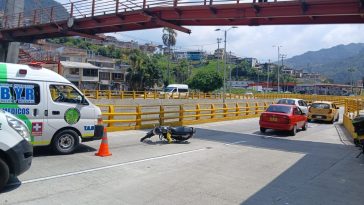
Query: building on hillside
148,48
252,62
232,58
311,75
273,86
328,89
84,69
238,84
219,53
83,75
111,73
288,71
179,55
195,55
298,73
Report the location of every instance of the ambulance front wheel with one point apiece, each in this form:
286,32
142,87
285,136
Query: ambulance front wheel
4,174
65,142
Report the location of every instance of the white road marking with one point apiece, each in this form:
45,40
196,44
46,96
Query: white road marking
234,143
105,167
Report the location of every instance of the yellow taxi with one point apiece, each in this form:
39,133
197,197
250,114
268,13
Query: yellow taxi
323,111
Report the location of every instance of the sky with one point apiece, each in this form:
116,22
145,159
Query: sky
256,41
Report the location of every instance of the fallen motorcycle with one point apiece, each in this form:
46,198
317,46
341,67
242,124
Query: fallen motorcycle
358,123
178,134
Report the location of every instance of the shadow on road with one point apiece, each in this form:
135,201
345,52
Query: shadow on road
47,151
163,142
326,174
13,184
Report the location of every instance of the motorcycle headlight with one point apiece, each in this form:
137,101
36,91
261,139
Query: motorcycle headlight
19,127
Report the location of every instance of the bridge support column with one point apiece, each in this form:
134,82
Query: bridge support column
9,51
3,51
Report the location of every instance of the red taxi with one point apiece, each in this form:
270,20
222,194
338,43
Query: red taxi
283,117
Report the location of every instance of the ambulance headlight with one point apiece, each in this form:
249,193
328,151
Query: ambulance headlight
19,126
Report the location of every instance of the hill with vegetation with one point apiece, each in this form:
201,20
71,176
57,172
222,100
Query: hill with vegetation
333,63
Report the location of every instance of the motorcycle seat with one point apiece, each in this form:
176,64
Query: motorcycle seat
182,130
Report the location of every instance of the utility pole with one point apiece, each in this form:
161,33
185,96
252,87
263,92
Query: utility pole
230,72
282,57
218,50
224,81
268,74
278,47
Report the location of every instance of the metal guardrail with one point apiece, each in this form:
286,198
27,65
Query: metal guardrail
79,9
119,117
353,108
338,100
111,94
130,117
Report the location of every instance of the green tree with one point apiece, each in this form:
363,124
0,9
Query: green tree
181,71
169,38
143,71
206,81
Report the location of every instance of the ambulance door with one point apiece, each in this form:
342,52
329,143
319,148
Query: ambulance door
26,100
66,108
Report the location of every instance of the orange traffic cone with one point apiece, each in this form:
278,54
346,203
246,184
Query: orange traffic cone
104,146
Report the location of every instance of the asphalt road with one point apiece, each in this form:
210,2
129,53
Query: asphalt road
225,163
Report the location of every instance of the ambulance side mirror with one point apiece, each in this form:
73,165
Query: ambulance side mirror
83,100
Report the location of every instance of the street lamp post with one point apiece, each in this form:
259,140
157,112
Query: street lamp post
224,81
278,47
218,52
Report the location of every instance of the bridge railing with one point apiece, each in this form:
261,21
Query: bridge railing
93,8
120,117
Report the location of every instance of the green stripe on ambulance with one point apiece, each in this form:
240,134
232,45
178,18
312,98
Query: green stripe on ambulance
12,107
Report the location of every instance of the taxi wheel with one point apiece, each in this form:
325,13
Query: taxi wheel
332,121
65,142
305,126
293,131
4,174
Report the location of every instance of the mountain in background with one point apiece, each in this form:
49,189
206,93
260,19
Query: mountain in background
333,63
30,5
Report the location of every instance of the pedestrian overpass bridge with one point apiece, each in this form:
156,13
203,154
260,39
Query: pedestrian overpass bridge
89,17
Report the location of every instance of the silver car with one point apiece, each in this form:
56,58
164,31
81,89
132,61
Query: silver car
298,102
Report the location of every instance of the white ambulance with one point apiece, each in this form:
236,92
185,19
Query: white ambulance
16,153
176,91
55,111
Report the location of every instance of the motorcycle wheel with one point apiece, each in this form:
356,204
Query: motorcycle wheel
146,137
182,138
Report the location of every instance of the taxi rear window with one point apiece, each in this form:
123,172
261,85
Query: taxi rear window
321,105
